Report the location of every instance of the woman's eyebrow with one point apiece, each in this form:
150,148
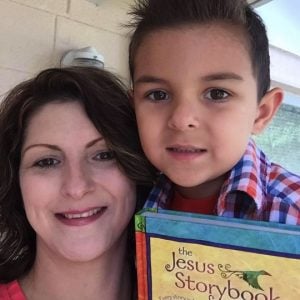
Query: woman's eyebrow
50,146
93,142
56,148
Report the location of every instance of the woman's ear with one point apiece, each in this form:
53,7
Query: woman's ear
267,109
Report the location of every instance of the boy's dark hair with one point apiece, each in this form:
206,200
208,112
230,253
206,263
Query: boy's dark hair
105,100
153,15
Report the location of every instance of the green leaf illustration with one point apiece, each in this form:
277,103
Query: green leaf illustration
251,277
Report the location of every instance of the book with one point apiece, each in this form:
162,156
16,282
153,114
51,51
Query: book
186,256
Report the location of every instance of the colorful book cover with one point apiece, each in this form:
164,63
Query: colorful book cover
183,256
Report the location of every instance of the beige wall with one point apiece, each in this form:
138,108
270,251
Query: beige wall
36,33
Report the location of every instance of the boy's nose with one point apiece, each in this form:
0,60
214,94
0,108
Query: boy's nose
77,182
184,116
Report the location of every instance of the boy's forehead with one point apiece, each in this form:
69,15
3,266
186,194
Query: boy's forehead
215,41
200,32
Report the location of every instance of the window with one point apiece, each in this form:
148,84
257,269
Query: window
281,140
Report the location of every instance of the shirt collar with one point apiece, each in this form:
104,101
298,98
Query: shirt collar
249,175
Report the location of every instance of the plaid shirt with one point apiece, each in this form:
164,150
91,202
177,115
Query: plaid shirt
255,189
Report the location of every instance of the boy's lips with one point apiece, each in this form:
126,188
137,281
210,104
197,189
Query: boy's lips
185,152
185,149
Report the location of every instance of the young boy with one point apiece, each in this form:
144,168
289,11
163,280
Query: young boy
200,73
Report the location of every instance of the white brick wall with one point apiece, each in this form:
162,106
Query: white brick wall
36,33
71,34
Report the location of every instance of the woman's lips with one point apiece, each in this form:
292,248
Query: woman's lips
76,218
82,215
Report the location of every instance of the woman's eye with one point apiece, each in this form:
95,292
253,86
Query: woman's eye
46,163
158,95
217,95
104,155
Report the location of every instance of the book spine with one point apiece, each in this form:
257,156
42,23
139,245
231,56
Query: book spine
141,258
141,266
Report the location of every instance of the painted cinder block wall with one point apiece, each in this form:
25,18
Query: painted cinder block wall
36,33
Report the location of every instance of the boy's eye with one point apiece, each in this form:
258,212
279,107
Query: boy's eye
104,155
158,95
217,94
46,163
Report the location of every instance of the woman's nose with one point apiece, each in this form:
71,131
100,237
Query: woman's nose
77,181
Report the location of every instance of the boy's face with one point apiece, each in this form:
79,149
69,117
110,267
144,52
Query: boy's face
195,98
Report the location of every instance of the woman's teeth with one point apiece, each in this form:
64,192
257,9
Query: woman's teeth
83,215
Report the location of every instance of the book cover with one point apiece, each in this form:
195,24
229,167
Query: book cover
186,256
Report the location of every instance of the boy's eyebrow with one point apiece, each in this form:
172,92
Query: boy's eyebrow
222,76
209,77
149,79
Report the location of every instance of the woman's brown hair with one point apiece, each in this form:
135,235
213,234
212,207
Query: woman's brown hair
105,100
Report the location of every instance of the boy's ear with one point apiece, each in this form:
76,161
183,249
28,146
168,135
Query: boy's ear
267,108
130,96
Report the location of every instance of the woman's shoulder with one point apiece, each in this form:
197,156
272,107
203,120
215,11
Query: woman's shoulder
11,291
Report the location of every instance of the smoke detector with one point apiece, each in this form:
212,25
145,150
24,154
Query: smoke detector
84,57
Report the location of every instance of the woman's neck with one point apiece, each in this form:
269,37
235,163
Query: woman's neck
107,277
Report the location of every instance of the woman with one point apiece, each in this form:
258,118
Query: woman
70,161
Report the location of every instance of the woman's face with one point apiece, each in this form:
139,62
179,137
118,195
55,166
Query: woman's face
75,196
